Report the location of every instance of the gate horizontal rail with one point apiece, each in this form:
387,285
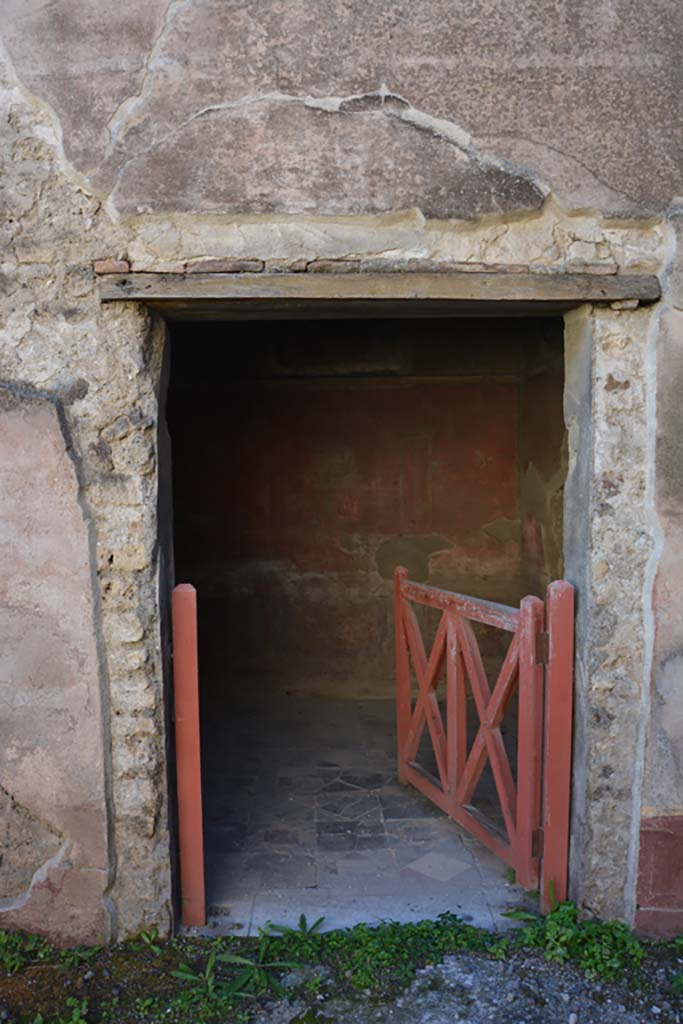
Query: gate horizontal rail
535,804
487,612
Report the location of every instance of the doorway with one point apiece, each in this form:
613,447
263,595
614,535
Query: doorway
310,458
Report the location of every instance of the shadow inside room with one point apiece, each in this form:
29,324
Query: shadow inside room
309,459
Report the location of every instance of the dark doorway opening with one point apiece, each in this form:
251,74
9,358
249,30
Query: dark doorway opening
309,459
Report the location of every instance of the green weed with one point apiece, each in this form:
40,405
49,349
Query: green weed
148,940
378,959
145,1004
303,927
601,950
202,983
17,949
79,1011
256,976
78,1014
76,956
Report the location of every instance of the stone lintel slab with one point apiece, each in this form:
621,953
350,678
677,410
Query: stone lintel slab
374,294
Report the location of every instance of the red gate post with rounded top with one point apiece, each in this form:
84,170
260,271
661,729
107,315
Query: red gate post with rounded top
557,758
188,755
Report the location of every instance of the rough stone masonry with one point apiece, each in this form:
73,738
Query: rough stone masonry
544,136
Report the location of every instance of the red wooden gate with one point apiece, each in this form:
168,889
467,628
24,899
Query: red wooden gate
535,803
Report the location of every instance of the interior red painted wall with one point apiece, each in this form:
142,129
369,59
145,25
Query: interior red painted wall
296,497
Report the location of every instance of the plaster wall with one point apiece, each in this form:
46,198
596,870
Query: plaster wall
455,108
435,132
55,842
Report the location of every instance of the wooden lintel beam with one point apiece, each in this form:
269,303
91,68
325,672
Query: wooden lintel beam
560,291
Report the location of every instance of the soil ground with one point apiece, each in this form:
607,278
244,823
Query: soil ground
557,969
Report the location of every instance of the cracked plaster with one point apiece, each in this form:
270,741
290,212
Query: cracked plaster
484,79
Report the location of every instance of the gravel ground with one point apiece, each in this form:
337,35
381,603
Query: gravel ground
137,982
523,990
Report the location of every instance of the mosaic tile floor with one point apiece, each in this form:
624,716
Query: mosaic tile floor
303,814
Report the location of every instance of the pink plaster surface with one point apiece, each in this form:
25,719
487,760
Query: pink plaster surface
51,737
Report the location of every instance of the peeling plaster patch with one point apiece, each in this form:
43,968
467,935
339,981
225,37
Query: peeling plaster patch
500,183
25,840
48,127
382,100
58,860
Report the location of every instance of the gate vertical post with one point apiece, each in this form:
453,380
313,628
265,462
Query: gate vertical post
529,743
456,711
557,757
403,701
188,754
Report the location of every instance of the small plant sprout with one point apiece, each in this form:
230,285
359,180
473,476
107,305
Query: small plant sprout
255,976
148,940
203,983
303,927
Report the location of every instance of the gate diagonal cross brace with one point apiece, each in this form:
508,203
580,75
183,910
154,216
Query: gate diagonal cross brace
540,795
491,710
427,705
488,743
